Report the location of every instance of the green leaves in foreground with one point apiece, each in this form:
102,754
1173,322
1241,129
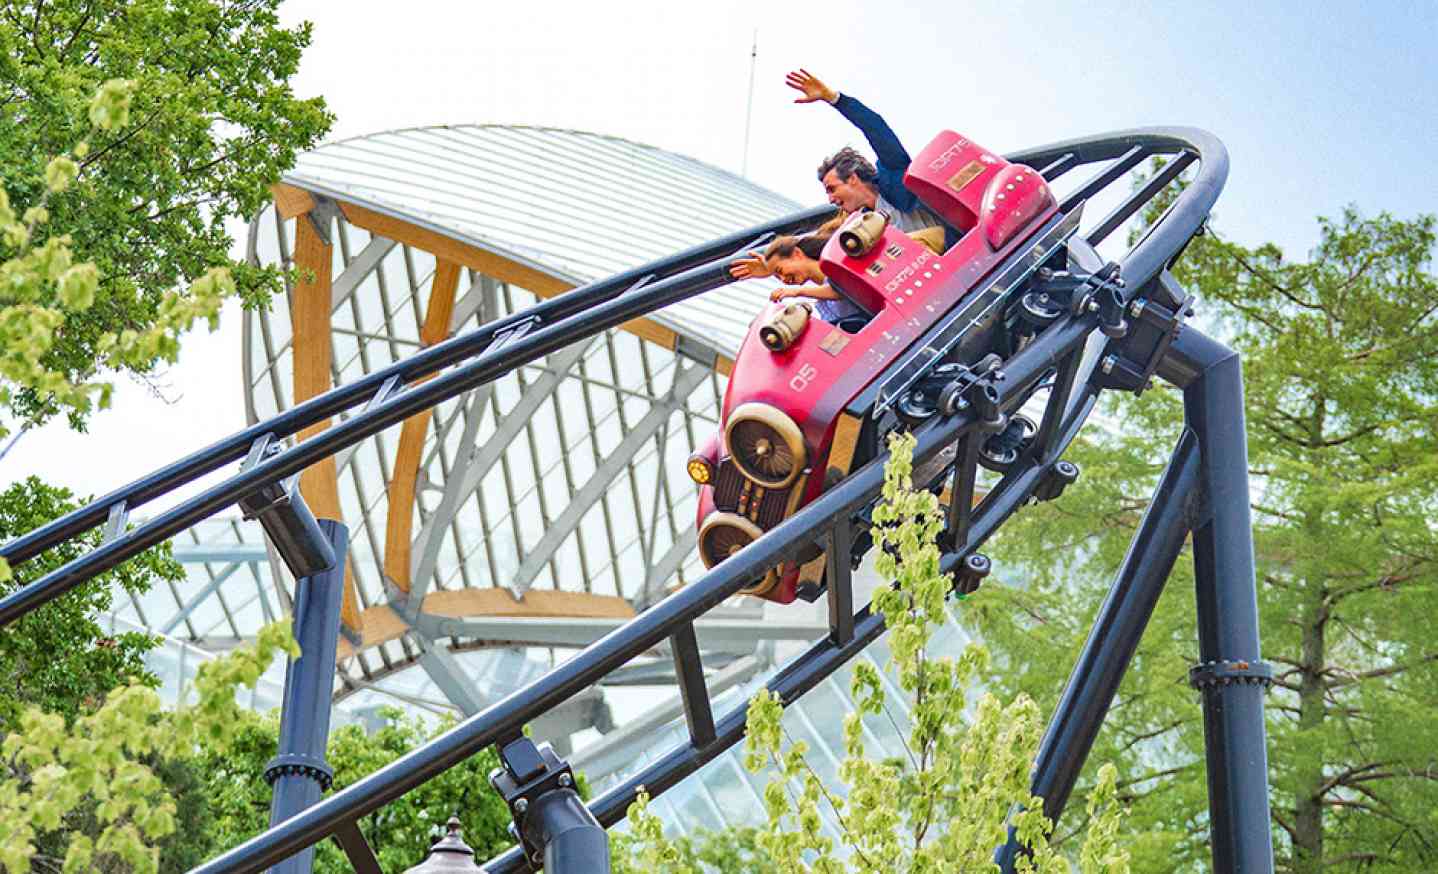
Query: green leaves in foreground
964,781
51,770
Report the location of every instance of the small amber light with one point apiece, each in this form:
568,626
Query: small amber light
700,470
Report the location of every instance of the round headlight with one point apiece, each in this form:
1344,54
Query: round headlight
765,444
724,534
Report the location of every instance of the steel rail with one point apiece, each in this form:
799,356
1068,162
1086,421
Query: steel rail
1140,266
1202,192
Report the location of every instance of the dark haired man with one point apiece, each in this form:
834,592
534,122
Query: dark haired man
849,180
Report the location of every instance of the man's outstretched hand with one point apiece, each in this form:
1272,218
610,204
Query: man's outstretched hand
809,84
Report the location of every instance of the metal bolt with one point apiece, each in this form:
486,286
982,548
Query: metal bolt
566,781
1109,362
1136,309
999,376
1093,306
521,806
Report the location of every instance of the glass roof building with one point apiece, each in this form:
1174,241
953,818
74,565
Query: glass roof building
504,528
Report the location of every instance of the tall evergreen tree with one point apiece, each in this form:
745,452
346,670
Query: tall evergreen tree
1341,379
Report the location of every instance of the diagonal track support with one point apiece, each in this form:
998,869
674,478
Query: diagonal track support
689,671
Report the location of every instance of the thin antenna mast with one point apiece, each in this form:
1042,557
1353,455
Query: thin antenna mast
749,111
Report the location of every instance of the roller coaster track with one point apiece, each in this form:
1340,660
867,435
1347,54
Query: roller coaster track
389,396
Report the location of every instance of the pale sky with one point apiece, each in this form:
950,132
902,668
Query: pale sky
1319,108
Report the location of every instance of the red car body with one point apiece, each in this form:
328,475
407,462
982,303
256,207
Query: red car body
996,206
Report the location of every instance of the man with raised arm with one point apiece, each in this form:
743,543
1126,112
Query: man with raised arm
849,180
852,183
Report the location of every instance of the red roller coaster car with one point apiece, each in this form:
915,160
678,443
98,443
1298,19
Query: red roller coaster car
808,401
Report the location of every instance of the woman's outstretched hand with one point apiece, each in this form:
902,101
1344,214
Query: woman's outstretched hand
751,267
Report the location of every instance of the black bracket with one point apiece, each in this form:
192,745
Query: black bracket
1081,292
528,772
281,510
975,387
971,573
1228,673
1155,318
1059,477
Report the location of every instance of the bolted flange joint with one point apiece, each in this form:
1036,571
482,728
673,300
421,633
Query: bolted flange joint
1209,675
297,765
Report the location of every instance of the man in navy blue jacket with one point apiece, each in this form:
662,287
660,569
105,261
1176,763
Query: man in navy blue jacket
849,180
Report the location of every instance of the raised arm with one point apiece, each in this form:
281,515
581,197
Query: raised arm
893,157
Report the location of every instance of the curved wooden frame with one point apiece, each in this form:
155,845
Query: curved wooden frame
313,363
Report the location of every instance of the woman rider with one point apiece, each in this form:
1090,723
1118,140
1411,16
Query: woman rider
795,261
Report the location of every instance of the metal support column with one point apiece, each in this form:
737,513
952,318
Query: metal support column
299,773
1230,675
574,842
1114,638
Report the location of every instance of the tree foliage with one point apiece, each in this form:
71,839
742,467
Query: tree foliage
59,658
98,768
1341,380
964,782
132,131
237,801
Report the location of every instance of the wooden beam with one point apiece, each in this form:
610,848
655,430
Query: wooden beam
450,249
313,355
291,201
398,538
490,264
382,624
377,625
536,603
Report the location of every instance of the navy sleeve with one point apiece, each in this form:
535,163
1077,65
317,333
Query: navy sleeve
893,158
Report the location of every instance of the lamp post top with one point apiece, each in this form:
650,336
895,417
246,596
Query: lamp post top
449,854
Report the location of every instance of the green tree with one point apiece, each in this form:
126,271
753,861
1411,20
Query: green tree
59,658
237,799
132,131
729,851
1341,381
98,769
948,804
